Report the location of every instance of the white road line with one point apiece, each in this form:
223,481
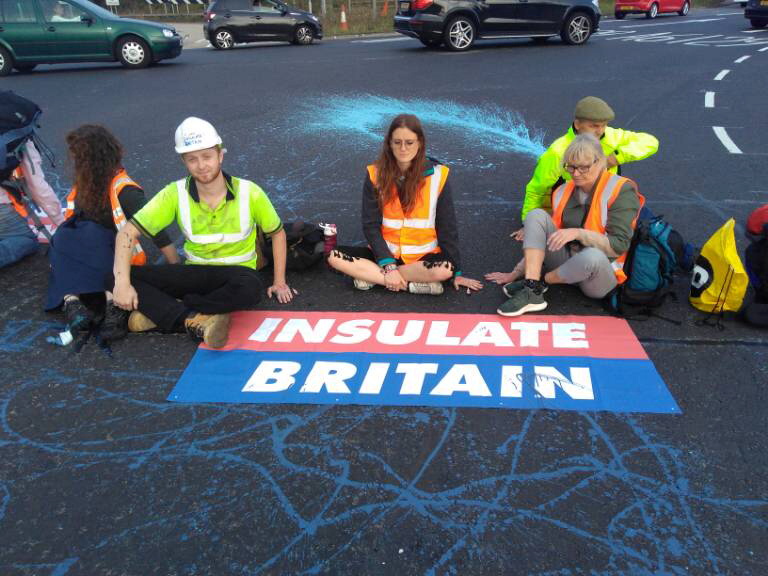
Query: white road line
722,74
725,140
680,22
740,60
709,100
763,49
378,40
730,14
754,31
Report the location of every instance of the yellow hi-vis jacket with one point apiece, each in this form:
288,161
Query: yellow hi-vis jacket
627,146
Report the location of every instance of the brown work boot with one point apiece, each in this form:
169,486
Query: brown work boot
137,322
213,329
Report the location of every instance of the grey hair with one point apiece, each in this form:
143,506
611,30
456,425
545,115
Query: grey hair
584,149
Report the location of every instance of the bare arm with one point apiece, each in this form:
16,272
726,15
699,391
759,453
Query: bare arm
171,254
279,286
124,294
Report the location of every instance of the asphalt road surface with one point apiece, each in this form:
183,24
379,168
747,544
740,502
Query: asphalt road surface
100,475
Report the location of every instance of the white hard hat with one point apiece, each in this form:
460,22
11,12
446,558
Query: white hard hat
196,134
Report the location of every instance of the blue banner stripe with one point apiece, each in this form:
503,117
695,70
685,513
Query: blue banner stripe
582,384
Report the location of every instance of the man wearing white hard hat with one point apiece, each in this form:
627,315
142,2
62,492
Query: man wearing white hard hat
219,216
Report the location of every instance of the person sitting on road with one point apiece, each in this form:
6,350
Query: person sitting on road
408,220
16,238
586,238
103,198
220,217
591,116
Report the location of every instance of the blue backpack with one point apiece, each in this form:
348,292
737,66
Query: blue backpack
656,252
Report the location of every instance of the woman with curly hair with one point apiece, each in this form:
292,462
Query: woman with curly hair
101,201
408,220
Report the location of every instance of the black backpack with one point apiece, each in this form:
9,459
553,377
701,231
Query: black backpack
305,246
755,312
18,122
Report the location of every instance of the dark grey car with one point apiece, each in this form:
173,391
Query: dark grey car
230,22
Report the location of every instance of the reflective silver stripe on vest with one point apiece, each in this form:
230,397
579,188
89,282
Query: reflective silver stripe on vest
423,223
605,196
394,248
238,259
424,248
246,223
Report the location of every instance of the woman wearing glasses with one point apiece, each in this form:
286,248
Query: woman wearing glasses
408,220
586,238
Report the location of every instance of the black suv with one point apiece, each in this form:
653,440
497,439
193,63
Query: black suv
757,12
458,23
228,22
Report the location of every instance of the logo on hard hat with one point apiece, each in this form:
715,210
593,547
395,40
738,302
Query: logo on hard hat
193,138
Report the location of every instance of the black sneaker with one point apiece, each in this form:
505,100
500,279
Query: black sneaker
79,317
115,324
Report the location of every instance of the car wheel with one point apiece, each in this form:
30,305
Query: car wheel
619,15
577,29
6,62
25,67
303,35
756,23
431,42
460,34
223,40
653,11
133,52
684,10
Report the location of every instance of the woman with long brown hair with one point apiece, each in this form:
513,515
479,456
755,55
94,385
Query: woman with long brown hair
101,201
408,220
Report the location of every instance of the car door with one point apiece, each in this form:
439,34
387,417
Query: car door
22,28
541,16
73,32
498,17
270,21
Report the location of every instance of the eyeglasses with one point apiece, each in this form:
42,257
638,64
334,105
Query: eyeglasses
404,143
583,169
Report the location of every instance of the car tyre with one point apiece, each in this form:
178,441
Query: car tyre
23,68
133,52
431,42
653,11
460,33
619,15
223,39
684,10
577,29
756,23
303,35
6,62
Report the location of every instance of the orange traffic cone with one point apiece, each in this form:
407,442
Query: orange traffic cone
344,25
384,8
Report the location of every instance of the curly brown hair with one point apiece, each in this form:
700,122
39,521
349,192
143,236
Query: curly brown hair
97,157
388,172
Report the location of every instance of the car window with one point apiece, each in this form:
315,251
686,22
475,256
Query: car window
18,11
61,11
265,6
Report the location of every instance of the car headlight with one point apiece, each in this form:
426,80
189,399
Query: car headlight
168,33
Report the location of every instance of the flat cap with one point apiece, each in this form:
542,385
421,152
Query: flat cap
593,108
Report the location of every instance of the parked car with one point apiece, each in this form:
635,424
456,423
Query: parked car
230,22
458,23
757,12
36,32
651,8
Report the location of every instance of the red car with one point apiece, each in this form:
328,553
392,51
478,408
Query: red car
651,7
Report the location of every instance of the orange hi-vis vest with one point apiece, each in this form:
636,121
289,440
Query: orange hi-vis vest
606,192
18,174
413,235
119,182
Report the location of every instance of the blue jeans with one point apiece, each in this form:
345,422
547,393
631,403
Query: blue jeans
16,239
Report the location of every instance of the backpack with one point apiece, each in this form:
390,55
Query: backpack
655,253
305,246
18,122
755,312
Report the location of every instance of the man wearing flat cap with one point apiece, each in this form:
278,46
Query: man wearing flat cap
591,116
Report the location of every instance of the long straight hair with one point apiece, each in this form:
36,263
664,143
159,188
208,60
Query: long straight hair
388,172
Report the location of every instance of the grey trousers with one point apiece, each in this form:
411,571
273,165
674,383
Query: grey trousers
587,267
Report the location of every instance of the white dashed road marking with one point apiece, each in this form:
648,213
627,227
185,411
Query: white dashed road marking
740,60
725,140
709,100
763,49
722,74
